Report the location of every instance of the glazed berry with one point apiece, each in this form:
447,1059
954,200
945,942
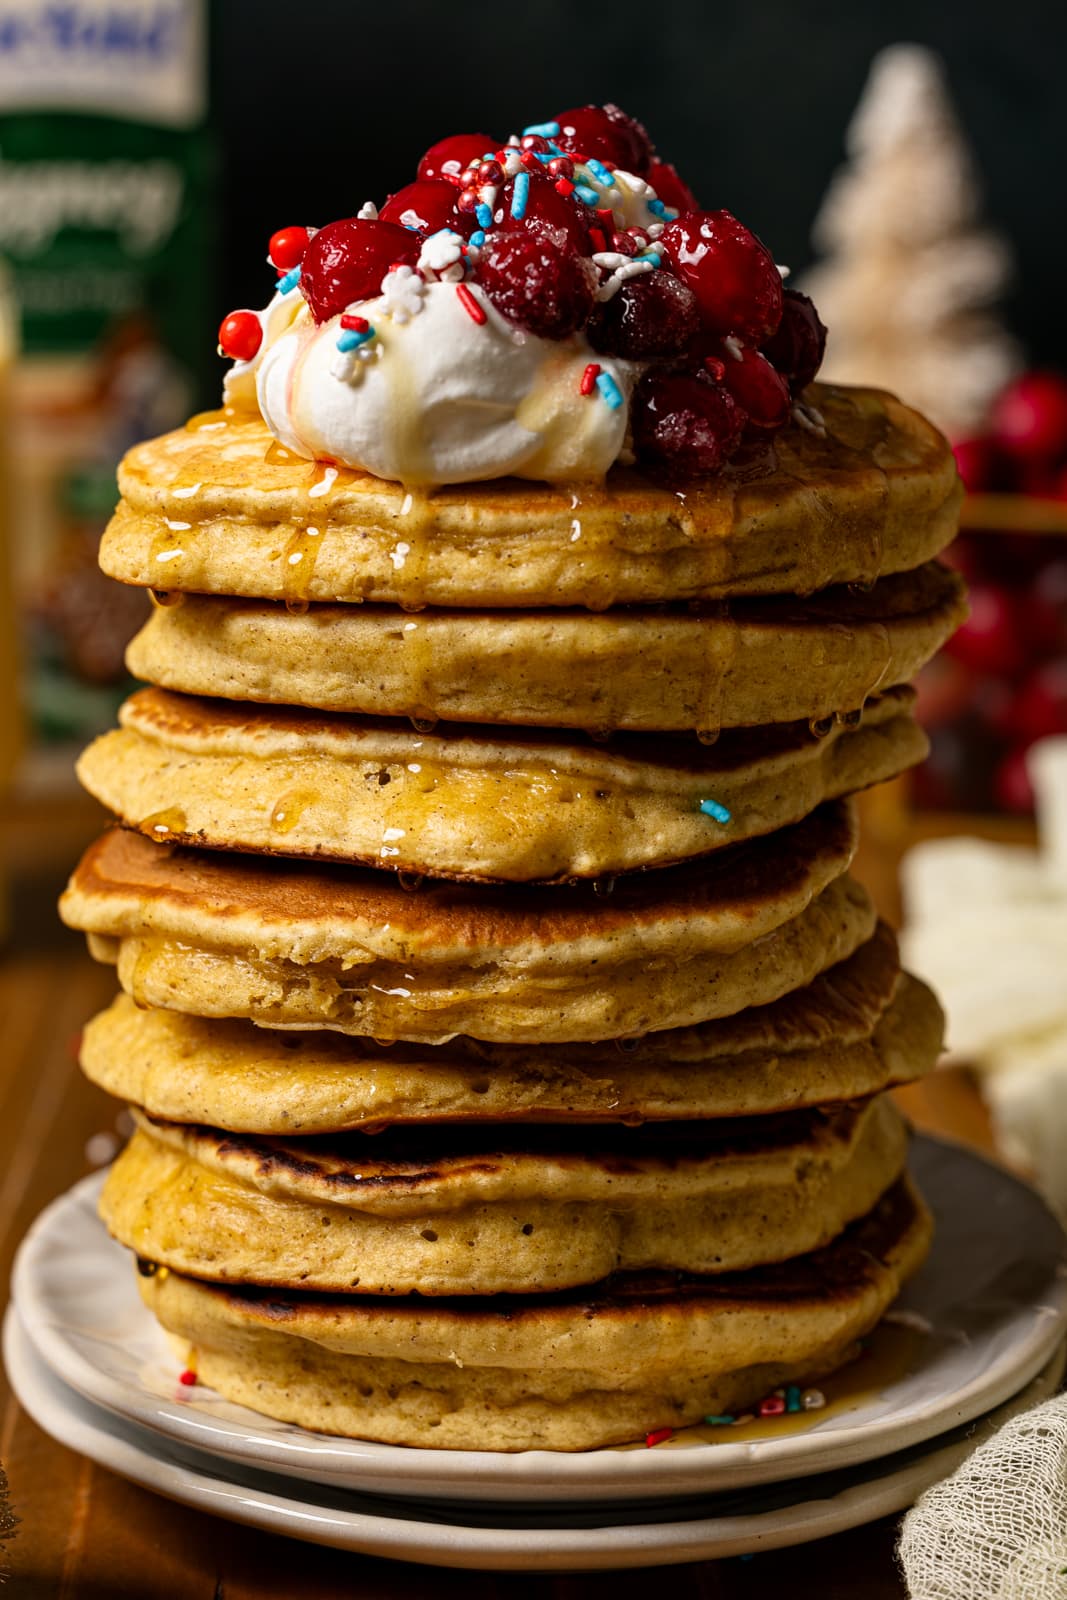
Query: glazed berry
731,272
648,318
448,158
536,284
797,347
687,423
558,217
347,261
287,247
979,463
240,335
607,134
992,638
1039,709
672,190
1030,417
425,207
754,384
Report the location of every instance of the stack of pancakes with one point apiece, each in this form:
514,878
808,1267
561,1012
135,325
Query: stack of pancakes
507,1042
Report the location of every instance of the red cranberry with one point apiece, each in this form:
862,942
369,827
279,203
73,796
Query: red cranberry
992,638
649,317
448,157
798,345
240,335
424,206
561,219
1039,710
536,284
979,463
1030,417
287,247
754,384
687,423
730,271
607,134
672,189
347,261
1012,788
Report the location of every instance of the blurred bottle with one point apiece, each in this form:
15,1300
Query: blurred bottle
106,207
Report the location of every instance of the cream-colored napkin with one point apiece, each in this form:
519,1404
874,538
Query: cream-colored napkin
997,1528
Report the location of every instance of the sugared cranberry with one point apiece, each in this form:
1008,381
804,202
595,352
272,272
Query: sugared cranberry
607,134
754,384
287,247
448,157
798,345
672,190
347,261
558,217
648,318
731,272
424,207
240,335
1030,417
687,423
536,284
992,638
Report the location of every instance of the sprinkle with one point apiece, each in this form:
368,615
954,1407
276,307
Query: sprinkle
606,217
520,195
733,346
470,304
600,172
792,1398
546,130
657,1436
586,194
477,239
609,390
564,186
598,239
773,1406
290,281
188,1377
352,338
658,209
712,808
589,377
720,1422
368,212
812,1400
650,255
484,214
355,324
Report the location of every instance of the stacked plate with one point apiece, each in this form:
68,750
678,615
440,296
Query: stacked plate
976,1337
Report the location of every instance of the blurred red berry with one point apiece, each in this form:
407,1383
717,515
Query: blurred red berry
992,638
945,690
672,190
347,261
797,347
1029,418
755,385
449,157
1046,607
424,207
1039,709
980,463
1012,788
731,272
607,134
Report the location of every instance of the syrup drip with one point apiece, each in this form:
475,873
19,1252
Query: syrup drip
167,598
424,724
593,534
411,881
163,825
628,1043
278,456
821,727
849,719
298,566
718,645
289,808
603,887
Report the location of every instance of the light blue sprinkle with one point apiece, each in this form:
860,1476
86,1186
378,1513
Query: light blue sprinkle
650,255
584,192
484,214
546,130
719,1422
609,390
544,156
658,209
490,155
477,239
792,1398
555,149
351,339
600,172
290,281
712,808
520,195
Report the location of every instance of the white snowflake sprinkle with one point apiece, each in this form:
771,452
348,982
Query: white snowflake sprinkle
368,212
402,291
441,255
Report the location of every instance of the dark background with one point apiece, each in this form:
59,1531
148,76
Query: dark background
322,104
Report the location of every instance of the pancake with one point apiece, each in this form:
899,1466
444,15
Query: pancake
564,1372
471,805
857,1029
485,1210
217,507
673,670
348,948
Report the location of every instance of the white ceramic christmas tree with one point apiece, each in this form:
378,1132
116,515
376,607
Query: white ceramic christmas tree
909,276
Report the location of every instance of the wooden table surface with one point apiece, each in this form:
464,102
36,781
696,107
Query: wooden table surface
84,1532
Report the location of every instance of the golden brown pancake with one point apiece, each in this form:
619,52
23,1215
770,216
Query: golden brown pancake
560,1372
489,1210
755,662
218,507
855,1030
348,948
470,804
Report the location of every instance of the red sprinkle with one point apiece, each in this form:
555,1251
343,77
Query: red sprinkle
589,377
530,161
658,1436
470,304
564,186
188,1377
606,217
597,236
773,1406
353,323
716,367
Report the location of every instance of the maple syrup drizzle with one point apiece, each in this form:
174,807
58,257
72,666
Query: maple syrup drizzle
289,808
163,825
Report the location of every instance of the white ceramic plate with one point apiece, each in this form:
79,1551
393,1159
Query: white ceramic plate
991,1303
504,1539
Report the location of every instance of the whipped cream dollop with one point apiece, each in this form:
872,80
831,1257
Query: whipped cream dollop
435,396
